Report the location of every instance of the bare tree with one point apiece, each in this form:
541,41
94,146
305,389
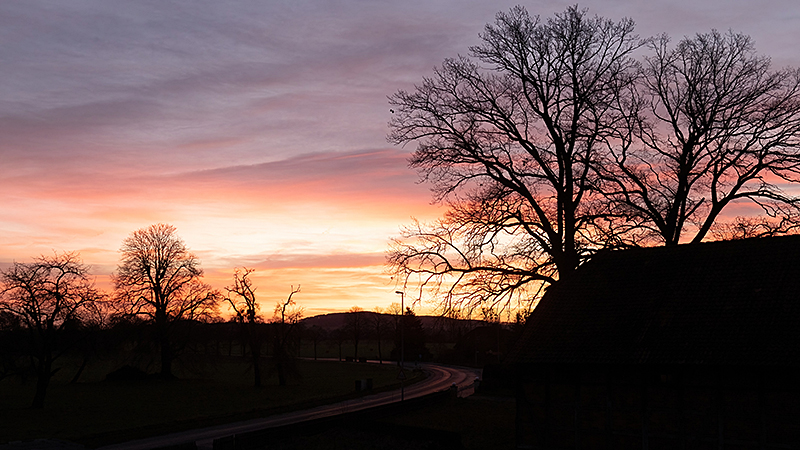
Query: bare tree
339,336
378,323
552,142
355,326
316,334
511,150
721,128
46,296
242,299
752,227
285,319
159,278
395,310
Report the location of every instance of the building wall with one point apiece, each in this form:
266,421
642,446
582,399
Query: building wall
657,407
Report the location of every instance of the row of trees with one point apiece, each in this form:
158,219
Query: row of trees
54,303
553,140
397,325
242,299
158,281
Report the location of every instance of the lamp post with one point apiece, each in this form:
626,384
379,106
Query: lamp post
402,346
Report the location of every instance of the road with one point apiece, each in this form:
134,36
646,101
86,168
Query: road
439,378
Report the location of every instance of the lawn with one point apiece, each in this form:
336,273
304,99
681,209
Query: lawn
101,412
483,422
478,422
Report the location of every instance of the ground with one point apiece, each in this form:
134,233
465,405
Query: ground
99,412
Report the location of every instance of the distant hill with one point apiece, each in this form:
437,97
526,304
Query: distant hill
337,320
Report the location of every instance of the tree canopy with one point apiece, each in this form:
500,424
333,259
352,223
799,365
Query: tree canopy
47,295
159,278
554,139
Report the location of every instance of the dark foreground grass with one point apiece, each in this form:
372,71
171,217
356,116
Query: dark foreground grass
483,422
102,412
475,423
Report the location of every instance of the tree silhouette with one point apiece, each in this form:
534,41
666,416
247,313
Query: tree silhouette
356,327
720,127
339,335
511,150
158,278
285,319
414,337
242,299
47,296
317,334
378,325
551,141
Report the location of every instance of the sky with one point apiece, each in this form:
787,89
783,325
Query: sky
256,128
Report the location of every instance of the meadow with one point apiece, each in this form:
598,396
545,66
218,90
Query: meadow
206,392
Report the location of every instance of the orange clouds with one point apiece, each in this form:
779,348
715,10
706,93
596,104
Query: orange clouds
256,128
322,221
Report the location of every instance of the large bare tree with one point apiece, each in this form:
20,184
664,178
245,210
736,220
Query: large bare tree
46,296
551,142
159,278
510,137
721,127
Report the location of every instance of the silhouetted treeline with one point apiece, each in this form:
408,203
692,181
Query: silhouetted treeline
161,314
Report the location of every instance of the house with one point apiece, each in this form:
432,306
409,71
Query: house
686,347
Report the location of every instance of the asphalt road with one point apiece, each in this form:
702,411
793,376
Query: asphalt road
439,378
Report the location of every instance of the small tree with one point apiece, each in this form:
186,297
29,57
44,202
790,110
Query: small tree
242,299
159,278
316,334
413,338
339,336
378,324
356,327
285,319
46,296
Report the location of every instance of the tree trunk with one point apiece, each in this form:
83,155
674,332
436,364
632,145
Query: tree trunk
42,381
256,372
162,331
256,354
166,355
80,371
281,373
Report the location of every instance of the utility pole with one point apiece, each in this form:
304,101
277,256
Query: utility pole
402,346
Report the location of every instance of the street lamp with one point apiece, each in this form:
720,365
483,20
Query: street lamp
402,346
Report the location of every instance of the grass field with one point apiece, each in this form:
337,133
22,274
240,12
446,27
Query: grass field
483,422
101,412
478,422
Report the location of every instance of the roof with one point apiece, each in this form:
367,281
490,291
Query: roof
720,303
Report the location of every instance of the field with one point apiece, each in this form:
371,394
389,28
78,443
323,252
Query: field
96,412
478,422
482,422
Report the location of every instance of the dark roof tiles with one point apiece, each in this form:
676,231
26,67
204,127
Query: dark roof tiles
735,302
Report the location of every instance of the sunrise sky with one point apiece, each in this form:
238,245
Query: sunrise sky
257,128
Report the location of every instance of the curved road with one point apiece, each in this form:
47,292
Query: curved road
439,378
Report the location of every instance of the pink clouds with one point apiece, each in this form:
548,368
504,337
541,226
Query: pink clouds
257,128
320,220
